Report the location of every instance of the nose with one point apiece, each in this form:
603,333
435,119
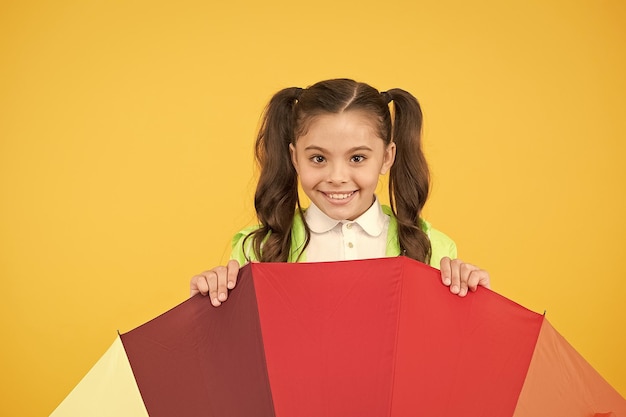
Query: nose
338,173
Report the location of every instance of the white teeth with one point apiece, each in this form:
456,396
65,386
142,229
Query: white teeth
340,196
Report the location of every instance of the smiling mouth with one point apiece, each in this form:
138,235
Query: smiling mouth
339,196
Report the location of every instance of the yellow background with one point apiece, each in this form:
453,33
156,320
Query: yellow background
126,131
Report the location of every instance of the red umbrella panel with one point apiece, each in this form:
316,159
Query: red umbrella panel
377,337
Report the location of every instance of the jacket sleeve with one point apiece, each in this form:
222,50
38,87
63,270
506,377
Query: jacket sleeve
441,246
242,254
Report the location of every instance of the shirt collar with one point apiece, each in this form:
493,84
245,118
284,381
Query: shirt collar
372,221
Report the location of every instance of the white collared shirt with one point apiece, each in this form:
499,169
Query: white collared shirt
338,240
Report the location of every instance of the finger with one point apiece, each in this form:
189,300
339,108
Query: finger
455,276
198,285
211,277
466,271
233,271
222,289
478,278
446,270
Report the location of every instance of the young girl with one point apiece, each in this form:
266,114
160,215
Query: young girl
338,137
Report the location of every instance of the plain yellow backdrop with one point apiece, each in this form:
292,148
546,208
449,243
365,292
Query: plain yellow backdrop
126,132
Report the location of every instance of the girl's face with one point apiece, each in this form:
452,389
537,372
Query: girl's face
339,160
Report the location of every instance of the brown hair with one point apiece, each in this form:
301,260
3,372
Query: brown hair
287,116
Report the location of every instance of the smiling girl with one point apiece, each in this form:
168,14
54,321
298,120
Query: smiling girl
337,138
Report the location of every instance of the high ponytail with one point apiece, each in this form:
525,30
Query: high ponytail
409,177
276,196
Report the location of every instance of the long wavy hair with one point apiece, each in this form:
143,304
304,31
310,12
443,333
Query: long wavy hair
287,116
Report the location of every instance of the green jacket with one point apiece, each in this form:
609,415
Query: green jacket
441,244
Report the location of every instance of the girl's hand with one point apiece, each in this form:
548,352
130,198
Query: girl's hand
461,276
216,282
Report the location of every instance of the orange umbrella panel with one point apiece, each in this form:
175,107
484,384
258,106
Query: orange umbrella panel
376,337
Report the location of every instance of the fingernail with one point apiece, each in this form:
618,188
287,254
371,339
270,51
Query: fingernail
463,292
455,289
447,281
230,285
221,296
216,302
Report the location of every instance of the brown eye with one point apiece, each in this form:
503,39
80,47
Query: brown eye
357,158
318,159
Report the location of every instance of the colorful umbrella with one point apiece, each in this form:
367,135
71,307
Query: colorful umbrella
377,337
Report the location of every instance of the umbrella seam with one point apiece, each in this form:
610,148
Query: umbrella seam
519,394
260,331
395,345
